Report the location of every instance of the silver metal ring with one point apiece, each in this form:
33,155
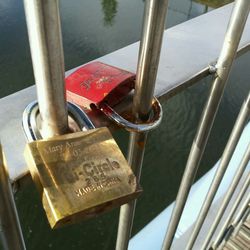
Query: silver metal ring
135,127
31,114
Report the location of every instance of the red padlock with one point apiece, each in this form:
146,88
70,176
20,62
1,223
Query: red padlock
96,83
103,86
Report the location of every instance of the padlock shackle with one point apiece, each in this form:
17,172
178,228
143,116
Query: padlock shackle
31,113
135,127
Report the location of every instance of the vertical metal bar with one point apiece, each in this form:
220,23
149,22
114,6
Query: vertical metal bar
225,159
240,214
228,196
44,29
148,61
10,229
236,204
227,55
228,242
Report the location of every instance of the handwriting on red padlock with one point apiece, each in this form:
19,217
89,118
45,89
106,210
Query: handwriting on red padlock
97,82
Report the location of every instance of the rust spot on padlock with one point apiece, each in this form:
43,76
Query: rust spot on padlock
141,144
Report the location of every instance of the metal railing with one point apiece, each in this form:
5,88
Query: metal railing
222,70
150,48
10,229
43,22
44,30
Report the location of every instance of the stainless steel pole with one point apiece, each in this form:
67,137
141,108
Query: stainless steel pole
227,55
228,196
149,54
236,204
242,210
10,229
44,29
225,159
235,228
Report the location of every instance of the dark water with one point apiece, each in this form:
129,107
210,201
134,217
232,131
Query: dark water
92,28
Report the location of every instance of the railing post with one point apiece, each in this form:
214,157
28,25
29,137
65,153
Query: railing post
150,47
10,229
243,209
225,159
223,67
44,29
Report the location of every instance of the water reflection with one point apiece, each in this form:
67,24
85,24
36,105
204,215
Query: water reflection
180,11
86,38
109,8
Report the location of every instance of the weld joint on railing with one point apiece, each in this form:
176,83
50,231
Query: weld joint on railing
212,68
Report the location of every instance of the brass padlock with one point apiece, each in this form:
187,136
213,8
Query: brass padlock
80,175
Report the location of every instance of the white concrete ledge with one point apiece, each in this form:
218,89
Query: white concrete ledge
188,49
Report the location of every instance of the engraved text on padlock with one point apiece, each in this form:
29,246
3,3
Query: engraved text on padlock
80,175
96,82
